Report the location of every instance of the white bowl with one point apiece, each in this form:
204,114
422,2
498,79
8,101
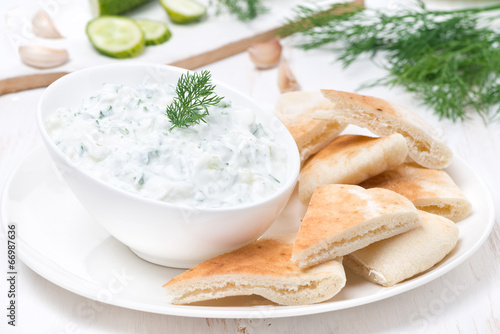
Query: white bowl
159,232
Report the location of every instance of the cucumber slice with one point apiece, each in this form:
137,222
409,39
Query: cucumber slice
183,11
155,32
113,7
116,36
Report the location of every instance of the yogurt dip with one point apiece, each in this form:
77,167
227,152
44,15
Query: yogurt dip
122,136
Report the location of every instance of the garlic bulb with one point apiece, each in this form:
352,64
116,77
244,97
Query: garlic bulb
42,57
43,26
286,79
265,55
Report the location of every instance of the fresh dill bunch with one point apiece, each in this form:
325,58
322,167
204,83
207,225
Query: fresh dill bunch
450,59
194,94
244,10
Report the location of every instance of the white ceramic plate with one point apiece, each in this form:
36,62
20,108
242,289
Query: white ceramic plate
59,240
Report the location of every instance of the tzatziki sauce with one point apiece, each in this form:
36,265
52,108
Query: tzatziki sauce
122,136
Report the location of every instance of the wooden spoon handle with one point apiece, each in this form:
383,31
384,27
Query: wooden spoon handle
224,51
25,82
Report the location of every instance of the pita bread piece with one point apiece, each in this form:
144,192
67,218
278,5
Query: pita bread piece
344,218
295,110
393,260
263,268
383,118
351,159
431,190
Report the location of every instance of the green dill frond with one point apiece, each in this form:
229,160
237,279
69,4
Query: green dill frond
194,94
244,10
450,59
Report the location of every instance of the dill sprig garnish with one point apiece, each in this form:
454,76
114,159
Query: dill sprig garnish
194,94
450,59
244,10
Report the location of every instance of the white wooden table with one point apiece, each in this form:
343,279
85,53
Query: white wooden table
465,300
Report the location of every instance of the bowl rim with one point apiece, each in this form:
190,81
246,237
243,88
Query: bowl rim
288,140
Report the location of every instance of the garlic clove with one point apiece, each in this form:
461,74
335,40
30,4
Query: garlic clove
43,26
286,79
42,57
267,54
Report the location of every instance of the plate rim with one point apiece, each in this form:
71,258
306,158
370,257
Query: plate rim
29,257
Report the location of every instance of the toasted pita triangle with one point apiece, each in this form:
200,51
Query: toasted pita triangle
351,159
344,218
393,260
295,110
383,118
430,190
263,268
